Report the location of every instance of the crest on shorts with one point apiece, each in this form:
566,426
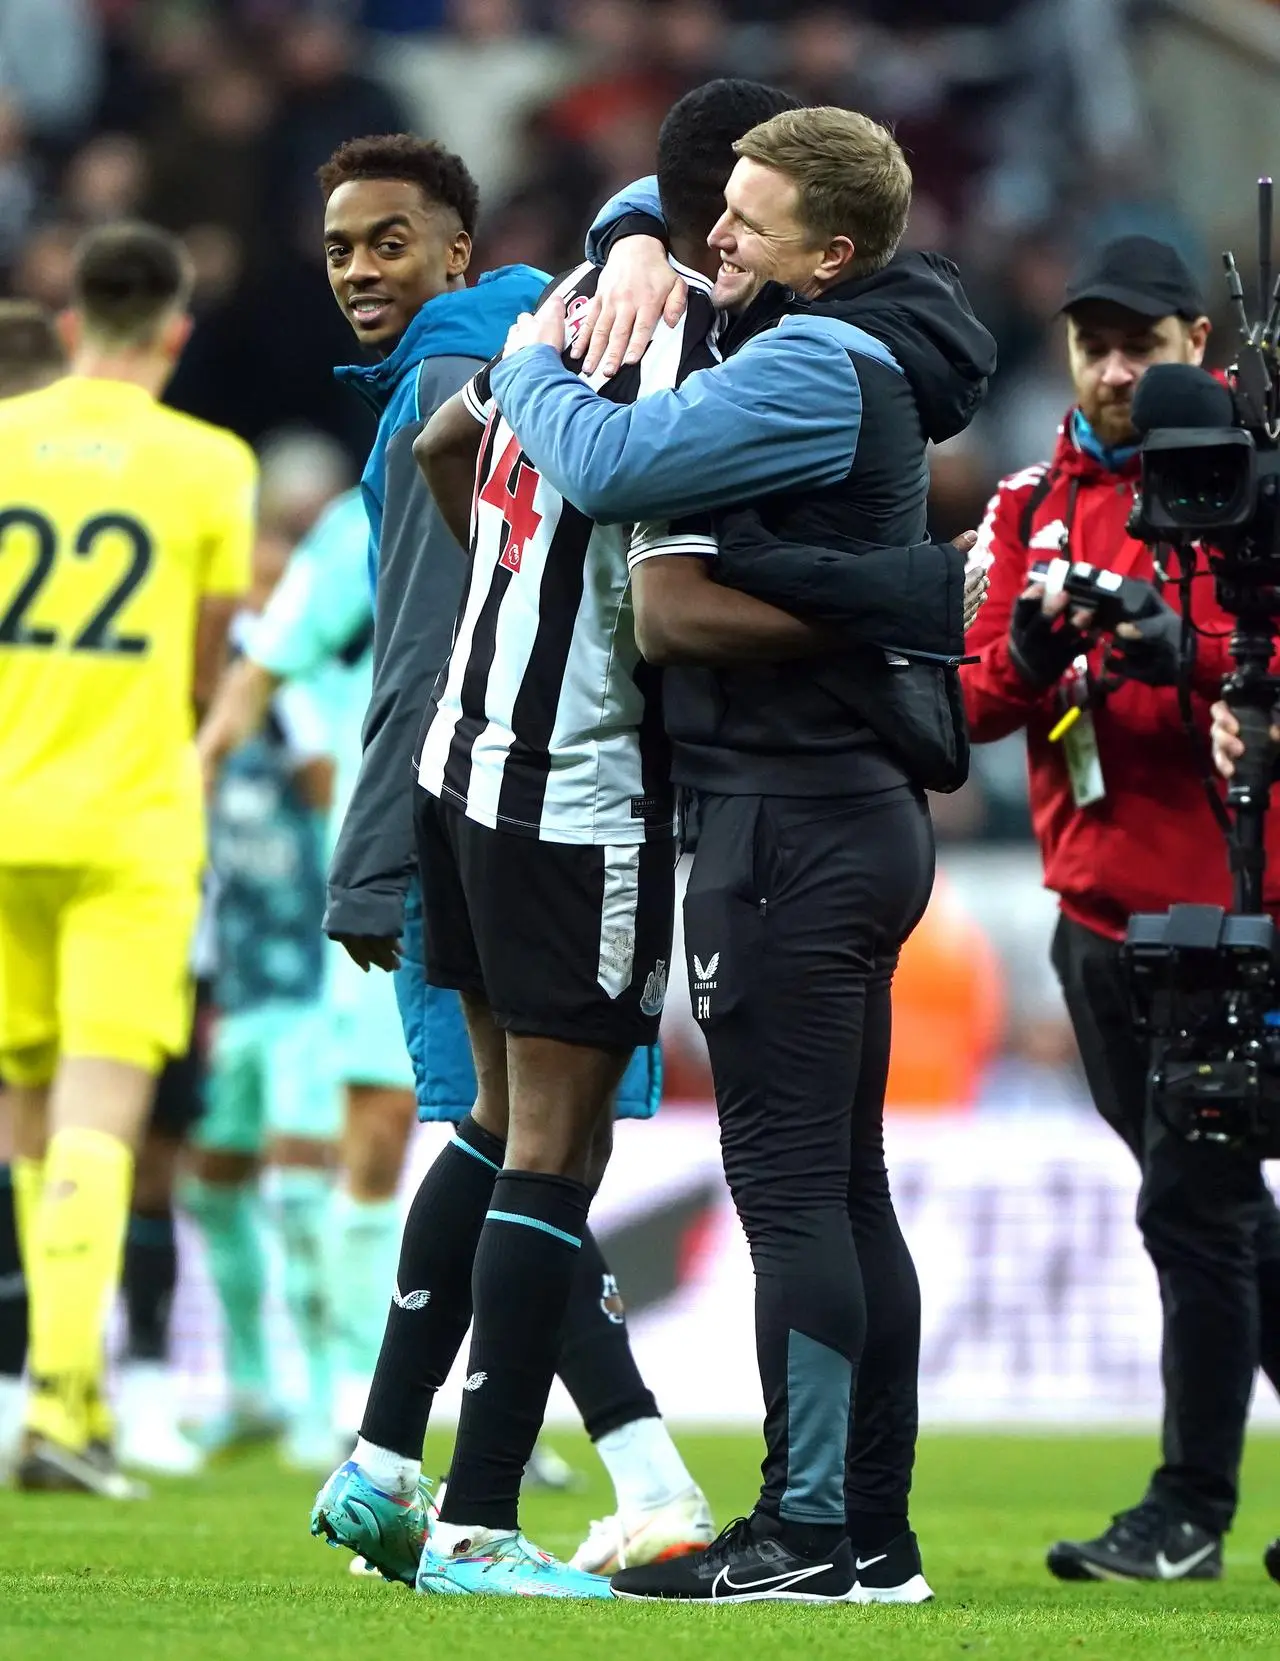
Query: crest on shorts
655,989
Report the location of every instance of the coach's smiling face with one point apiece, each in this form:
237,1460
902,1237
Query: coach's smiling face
761,238
389,250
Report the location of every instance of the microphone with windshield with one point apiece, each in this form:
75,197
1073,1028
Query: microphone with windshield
1181,395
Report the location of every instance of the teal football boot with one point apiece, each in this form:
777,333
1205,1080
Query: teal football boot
388,1532
504,1565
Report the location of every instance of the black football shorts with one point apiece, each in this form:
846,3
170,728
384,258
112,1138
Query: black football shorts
563,940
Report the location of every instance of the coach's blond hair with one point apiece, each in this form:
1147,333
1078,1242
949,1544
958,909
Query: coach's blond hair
852,177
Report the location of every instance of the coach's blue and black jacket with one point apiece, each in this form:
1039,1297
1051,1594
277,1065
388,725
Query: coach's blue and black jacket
818,419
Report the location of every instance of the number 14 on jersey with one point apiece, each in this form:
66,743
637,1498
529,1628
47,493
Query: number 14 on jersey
511,489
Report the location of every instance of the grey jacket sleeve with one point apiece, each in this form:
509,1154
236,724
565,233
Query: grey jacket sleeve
420,577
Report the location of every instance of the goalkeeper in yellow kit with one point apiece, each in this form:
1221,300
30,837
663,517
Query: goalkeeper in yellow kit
125,534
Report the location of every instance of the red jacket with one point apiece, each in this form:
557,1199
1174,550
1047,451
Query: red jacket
1153,839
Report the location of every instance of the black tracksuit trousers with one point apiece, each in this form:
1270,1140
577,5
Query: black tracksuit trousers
1212,1230
795,912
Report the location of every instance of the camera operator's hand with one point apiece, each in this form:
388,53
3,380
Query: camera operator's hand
1043,639
1228,746
1150,649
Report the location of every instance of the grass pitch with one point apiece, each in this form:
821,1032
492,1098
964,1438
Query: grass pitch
224,1568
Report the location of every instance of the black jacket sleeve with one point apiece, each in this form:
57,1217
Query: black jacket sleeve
631,224
905,600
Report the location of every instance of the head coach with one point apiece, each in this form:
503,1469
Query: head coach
815,853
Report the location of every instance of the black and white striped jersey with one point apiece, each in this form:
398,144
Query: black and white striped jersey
545,720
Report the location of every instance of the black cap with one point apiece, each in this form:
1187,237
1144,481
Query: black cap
1139,273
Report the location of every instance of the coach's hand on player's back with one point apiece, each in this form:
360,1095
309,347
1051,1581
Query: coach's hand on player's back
637,288
370,951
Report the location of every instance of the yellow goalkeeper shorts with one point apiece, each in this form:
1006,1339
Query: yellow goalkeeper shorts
94,963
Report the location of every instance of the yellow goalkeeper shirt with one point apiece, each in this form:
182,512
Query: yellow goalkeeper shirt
117,516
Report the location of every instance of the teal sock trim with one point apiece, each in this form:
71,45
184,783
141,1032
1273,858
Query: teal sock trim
533,1222
474,1152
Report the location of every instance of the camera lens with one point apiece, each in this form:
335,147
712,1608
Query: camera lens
1204,488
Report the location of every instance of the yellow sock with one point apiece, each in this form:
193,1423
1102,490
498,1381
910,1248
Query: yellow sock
75,1269
28,1181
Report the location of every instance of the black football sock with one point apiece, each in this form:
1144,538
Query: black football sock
13,1287
431,1308
595,1361
148,1281
524,1269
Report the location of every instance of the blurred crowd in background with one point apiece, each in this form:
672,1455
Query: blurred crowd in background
1022,120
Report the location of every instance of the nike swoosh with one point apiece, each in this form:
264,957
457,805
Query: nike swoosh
866,1562
1174,1571
776,1582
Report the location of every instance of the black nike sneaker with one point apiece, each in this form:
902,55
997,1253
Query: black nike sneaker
1147,1543
1271,1559
746,1563
890,1574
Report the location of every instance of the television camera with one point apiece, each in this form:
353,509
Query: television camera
1204,982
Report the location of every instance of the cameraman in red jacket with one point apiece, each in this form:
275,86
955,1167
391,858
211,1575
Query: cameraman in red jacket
1124,825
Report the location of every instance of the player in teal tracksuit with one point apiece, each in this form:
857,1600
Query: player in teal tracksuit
273,1093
